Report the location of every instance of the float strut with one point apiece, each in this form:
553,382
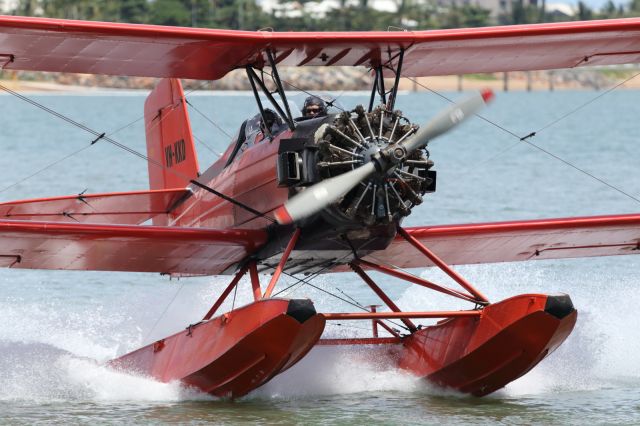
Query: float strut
420,281
399,315
255,280
389,329
442,265
226,292
374,323
283,261
381,294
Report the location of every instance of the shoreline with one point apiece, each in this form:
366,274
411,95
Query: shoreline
344,81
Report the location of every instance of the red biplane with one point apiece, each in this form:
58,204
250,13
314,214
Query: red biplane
325,194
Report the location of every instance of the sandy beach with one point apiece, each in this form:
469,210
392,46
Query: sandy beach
343,79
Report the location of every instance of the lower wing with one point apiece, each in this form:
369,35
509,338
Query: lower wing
517,241
164,249
133,207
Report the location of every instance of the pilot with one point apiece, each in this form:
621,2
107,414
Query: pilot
314,107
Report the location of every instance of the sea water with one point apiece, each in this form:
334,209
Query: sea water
58,327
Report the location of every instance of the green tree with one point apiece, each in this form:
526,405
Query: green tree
609,10
521,13
133,11
542,12
240,15
475,16
26,7
584,12
67,9
465,16
169,12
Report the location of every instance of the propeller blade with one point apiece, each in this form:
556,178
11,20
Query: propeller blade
317,197
320,195
452,116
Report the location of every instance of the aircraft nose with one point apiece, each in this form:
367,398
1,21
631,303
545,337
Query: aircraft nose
301,309
559,305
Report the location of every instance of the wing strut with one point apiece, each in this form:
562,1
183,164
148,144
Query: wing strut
253,79
225,293
381,294
396,83
395,312
251,267
255,280
283,261
378,88
442,265
251,75
419,281
357,265
378,84
280,89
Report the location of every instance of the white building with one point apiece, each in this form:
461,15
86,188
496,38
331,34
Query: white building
319,9
8,6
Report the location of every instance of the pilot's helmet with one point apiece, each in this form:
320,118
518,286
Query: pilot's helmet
270,120
314,107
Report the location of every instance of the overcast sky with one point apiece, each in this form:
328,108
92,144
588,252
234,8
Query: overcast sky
594,4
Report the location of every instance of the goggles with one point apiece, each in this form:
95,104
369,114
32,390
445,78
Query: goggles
313,110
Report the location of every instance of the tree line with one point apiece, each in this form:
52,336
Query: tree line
348,16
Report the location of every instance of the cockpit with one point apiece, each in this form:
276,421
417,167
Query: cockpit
255,130
268,124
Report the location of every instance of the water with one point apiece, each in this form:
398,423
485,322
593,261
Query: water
57,327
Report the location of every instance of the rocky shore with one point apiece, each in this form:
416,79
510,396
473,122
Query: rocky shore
338,79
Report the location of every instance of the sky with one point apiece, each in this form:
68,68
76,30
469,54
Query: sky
594,4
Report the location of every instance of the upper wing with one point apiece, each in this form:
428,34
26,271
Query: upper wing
118,207
154,51
80,246
514,241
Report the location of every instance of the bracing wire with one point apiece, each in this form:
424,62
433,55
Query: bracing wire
187,101
351,298
339,324
305,280
355,303
132,151
119,129
347,301
526,138
48,166
166,308
606,92
207,118
216,153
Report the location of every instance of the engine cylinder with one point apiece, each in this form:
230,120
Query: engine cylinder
351,140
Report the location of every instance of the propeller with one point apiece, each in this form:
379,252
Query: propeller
326,192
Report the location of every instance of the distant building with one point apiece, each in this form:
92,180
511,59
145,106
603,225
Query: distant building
505,7
319,9
496,7
560,9
8,6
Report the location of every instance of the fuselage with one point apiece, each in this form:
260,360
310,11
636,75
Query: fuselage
251,172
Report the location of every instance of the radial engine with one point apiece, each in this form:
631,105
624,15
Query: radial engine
340,143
